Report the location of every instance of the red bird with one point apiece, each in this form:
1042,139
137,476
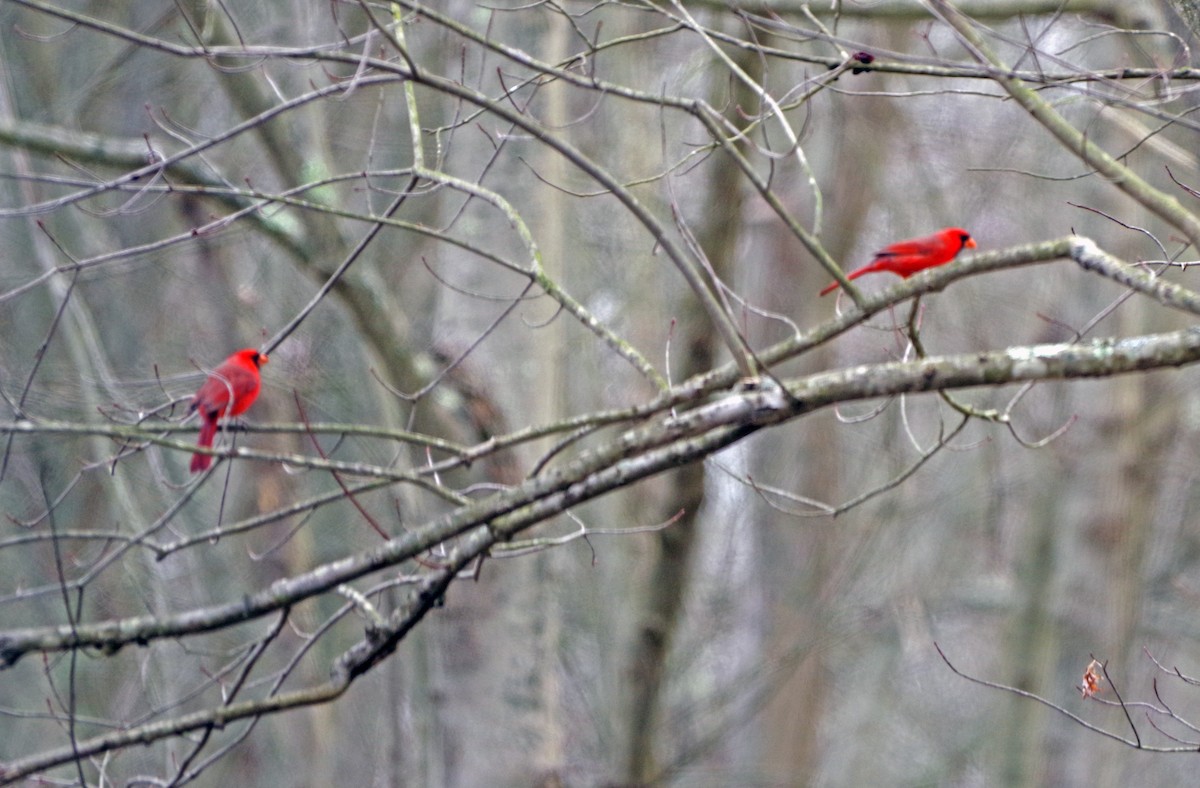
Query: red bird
229,391
916,254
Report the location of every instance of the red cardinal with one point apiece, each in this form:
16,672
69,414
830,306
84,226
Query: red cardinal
908,257
229,391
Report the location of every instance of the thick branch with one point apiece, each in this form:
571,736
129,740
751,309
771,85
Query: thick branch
637,454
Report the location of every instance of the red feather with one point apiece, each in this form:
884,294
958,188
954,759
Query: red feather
229,391
906,258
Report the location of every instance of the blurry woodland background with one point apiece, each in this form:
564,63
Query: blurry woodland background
487,234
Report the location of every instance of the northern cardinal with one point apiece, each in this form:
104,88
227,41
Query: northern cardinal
916,254
229,391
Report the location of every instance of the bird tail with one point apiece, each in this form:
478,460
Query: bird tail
856,273
208,431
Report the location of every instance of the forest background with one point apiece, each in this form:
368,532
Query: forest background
562,473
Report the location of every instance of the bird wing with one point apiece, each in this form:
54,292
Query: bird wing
228,378
930,244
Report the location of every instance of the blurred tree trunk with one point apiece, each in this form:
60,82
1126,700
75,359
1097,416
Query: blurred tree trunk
810,563
1122,520
696,346
1029,651
549,570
